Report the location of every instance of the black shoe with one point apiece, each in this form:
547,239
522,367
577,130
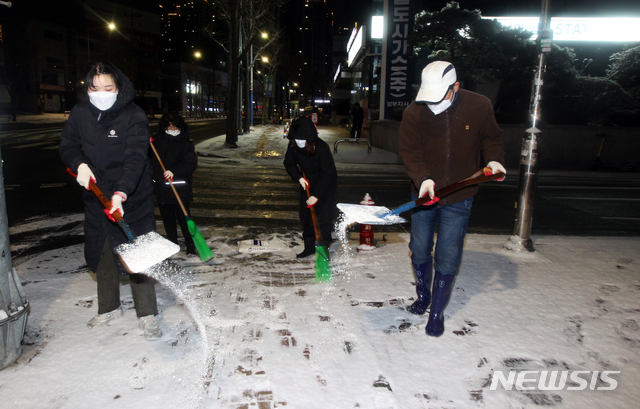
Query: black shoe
307,252
191,252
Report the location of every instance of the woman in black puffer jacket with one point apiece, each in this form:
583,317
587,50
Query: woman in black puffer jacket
107,139
180,161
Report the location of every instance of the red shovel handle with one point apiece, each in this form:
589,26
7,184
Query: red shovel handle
106,203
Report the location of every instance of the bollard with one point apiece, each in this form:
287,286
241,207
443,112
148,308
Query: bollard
366,230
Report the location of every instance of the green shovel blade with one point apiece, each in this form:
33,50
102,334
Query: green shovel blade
323,271
201,244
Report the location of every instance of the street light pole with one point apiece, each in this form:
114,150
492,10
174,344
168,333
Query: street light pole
521,238
251,86
198,98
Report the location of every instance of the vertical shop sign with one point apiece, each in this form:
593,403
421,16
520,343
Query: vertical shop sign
397,64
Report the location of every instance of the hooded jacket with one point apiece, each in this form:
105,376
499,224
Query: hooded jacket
451,146
115,144
319,169
179,156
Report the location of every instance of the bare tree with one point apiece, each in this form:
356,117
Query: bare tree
246,20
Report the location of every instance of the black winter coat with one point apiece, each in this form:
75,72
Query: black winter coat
115,144
320,170
179,156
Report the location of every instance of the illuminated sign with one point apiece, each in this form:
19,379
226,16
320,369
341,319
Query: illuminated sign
335,77
377,26
356,46
579,28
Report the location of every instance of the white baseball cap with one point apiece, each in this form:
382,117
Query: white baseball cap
437,78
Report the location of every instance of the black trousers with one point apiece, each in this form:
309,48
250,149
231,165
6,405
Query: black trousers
171,212
356,130
108,277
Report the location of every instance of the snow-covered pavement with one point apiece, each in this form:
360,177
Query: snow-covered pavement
254,330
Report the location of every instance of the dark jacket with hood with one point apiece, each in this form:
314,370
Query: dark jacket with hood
179,156
319,169
115,144
450,146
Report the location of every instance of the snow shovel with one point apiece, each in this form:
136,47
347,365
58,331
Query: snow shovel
379,215
200,243
141,252
323,271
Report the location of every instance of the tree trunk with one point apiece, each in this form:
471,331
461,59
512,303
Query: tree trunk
248,106
232,96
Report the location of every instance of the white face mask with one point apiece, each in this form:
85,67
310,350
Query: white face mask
173,132
103,100
440,107
301,143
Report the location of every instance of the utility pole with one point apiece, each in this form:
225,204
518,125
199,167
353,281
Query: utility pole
521,238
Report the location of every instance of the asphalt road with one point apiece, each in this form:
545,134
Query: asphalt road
566,203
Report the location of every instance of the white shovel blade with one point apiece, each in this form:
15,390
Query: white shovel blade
369,214
146,251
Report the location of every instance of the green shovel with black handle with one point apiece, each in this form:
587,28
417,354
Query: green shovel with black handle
323,271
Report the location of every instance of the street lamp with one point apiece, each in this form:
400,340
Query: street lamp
264,36
265,84
111,26
197,56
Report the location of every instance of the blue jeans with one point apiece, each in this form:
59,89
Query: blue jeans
452,222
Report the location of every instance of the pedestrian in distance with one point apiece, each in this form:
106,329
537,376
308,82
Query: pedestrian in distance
106,140
309,154
444,136
357,118
179,158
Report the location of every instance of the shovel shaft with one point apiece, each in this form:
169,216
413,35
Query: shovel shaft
314,217
474,179
106,203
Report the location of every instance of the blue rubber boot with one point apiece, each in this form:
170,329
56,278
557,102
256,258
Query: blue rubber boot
423,288
442,289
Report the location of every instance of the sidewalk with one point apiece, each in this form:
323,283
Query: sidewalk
257,331
344,152
254,330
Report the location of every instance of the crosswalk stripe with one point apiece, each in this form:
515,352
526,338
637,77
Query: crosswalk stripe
241,214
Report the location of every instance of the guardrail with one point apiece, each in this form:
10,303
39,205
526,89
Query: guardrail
352,140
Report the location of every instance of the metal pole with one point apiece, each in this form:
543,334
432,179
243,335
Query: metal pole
521,238
264,99
251,86
14,306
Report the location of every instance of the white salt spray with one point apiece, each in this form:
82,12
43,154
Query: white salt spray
342,259
201,370
352,214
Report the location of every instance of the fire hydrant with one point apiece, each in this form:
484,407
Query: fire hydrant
366,230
